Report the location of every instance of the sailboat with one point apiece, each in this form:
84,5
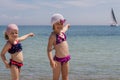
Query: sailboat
114,22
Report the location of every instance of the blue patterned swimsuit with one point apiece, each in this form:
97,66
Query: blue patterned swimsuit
15,48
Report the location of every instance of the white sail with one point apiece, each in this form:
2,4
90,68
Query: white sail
114,21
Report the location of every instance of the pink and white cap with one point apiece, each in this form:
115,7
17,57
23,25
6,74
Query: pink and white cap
57,17
11,27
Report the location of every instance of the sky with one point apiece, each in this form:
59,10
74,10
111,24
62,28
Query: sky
76,12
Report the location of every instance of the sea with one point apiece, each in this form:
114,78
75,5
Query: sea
94,50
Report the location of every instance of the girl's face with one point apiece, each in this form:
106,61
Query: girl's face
58,27
13,34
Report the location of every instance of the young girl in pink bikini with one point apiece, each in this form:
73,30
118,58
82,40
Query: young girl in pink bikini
57,41
14,47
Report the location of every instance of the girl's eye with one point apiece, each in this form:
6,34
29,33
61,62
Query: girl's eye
58,24
14,33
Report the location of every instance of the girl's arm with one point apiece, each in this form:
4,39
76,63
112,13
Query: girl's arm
25,36
2,54
49,51
66,27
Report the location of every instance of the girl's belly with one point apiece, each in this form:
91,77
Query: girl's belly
62,53
17,57
61,50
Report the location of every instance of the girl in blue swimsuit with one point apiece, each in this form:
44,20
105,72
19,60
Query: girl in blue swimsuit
14,47
58,42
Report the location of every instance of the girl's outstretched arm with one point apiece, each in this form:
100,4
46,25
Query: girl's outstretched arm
25,36
66,27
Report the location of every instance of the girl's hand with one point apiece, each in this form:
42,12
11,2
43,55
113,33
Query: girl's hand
7,66
68,25
31,34
53,64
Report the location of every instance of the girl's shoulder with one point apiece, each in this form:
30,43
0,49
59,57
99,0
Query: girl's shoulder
13,43
18,39
7,45
52,36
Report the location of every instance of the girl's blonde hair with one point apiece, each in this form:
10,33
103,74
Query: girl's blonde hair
53,27
6,36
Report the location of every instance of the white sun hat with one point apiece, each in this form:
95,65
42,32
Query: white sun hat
11,27
57,17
